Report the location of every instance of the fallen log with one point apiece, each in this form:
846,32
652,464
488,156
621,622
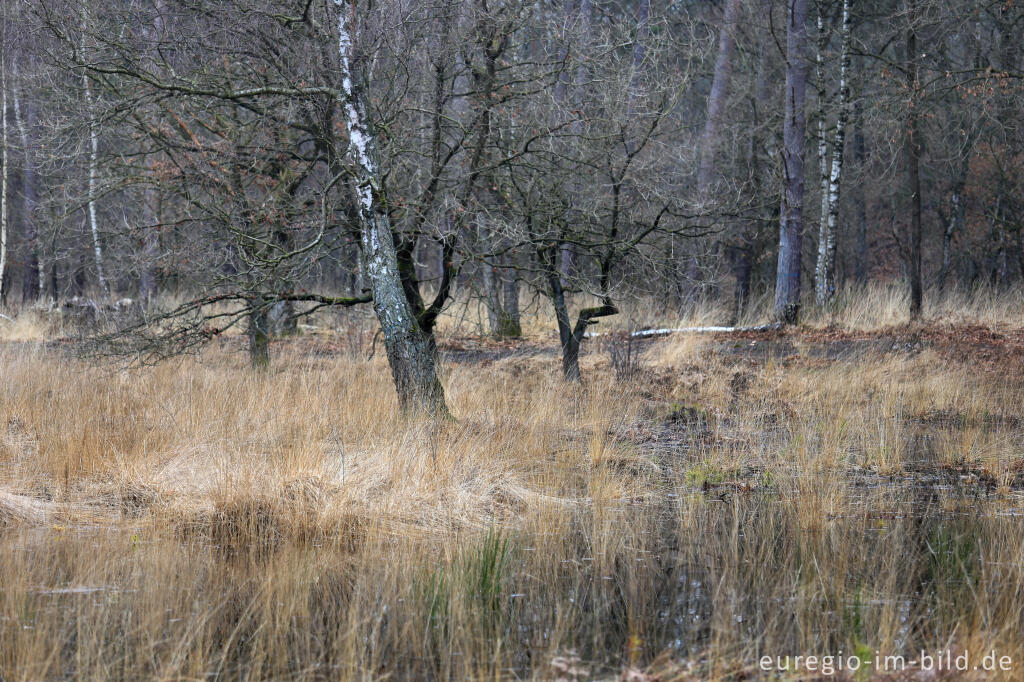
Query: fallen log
693,330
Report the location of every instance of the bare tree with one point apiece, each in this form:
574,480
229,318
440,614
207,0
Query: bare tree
409,353
32,276
825,275
912,143
94,139
3,160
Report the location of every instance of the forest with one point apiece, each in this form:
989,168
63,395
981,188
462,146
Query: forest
636,340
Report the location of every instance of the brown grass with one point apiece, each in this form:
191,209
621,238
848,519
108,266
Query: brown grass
743,495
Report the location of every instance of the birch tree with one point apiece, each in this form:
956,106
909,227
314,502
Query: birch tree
825,275
93,152
409,353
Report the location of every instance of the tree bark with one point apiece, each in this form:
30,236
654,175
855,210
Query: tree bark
150,249
150,201
787,278
819,77
955,222
717,97
6,167
825,282
745,252
742,269
93,179
492,294
572,337
408,349
259,338
32,276
913,160
860,207
511,327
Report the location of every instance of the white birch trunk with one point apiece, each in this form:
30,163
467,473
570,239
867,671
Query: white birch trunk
819,73
93,173
408,349
826,283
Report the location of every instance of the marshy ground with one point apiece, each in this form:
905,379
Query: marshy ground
855,486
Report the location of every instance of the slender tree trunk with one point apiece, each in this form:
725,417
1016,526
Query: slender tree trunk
570,350
512,326
913,160
581,13
6,167
501,287
32,275
996,243
787,279
408,349
492,297
860,207
93,179
150,199
1020,252
819,77
259,336
717,98
826,280
751,238
955,223
150,249
491,285
742,269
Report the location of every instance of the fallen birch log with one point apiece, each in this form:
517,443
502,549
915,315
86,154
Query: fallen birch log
693,330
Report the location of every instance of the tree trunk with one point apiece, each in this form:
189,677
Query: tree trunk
955,223
150,238
150,249
742,269
717,98
6,167
93,180
511,327
408,349
913,159
745,252
787,279
570,349
826,270
492,293
32,278
819,77
1020,252
501,287
860,207
259,338
492,297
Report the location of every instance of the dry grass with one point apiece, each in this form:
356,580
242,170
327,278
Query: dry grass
740,496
